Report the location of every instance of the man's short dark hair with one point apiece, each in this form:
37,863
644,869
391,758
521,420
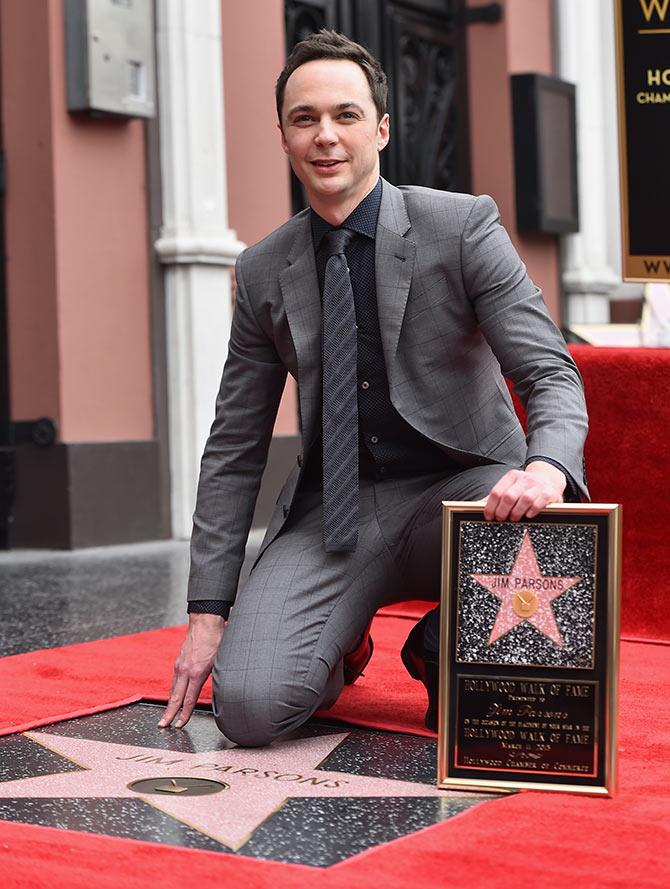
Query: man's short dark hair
327,44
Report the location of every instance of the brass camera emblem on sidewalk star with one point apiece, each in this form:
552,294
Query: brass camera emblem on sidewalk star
525,603
178,786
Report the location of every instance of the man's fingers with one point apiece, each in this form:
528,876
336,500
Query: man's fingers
497,492
508,502
179,686
518,494
193,666
190,699
539,504
184,696
506,494
526,502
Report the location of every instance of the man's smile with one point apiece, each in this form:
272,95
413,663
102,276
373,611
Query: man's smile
327,165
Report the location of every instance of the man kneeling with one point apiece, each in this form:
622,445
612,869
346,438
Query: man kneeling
398,311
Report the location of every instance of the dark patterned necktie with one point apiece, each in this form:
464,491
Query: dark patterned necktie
340,400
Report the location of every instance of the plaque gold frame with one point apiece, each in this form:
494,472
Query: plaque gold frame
582,513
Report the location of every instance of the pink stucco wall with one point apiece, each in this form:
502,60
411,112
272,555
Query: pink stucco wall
78,287
522,42
530,36
258,174
29,209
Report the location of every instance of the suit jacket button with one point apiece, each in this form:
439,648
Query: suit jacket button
299,459
284,509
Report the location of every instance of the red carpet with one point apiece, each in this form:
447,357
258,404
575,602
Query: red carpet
76,679
547,841
627,461
544,840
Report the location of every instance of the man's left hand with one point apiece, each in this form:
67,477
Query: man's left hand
524,492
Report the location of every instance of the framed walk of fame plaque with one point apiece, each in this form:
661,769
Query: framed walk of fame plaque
529,649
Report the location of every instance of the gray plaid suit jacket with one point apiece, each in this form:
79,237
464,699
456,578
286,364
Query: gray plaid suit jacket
457,313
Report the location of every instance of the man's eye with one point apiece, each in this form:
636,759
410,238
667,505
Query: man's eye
348,114
302,118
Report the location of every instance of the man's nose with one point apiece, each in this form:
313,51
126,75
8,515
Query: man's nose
326,134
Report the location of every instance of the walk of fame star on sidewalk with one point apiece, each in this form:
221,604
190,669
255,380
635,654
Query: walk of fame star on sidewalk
526,595
259,780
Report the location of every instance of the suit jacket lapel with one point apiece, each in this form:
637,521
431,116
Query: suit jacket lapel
394,264
302,303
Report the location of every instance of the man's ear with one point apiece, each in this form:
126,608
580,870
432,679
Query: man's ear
383,132
284,145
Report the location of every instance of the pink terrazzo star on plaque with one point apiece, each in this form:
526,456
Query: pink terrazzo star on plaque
259,780
526,595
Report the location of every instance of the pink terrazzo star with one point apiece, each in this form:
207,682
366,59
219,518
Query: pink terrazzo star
260,780
526,595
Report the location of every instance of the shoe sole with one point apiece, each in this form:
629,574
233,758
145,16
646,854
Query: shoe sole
416,669
351,674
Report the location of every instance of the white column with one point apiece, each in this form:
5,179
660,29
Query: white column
196,245
592,257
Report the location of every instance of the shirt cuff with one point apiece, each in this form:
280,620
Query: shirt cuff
571,493
210,606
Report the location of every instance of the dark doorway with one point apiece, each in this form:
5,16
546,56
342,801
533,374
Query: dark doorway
421,44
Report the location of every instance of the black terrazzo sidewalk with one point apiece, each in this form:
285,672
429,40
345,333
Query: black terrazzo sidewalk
53,598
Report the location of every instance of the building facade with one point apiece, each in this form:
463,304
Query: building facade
121,233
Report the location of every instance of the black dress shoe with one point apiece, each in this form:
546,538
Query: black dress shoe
357,660
423,663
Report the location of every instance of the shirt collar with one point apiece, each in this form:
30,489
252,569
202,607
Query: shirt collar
362,219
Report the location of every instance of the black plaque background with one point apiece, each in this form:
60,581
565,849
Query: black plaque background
647,145
548,674
564,754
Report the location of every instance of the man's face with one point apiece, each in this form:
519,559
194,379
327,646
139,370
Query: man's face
330,131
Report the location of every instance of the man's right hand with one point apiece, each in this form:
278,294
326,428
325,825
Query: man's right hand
192,667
